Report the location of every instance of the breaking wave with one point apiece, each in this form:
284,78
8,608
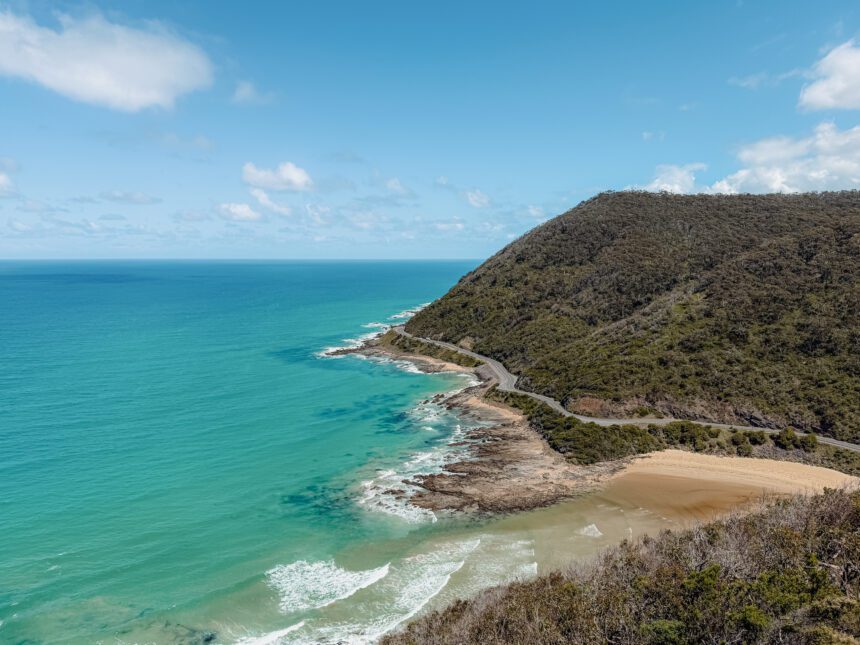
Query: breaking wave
311,585
379,328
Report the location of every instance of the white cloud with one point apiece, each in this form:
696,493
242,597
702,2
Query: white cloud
395,186
6,186
477,199
837,84
266,202
443,183
246,93
239,212
675,179
535,211
660,135
95,61
287,176
318,214
124,197
829,159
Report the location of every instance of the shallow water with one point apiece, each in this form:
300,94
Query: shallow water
178,458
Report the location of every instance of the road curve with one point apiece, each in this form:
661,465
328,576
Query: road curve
507,382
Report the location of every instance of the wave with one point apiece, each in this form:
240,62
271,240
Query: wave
388,493
272,637
406,314
350,343
414,582
310,585
590,531
500,560
379,328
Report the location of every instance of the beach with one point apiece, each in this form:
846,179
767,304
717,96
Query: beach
508,467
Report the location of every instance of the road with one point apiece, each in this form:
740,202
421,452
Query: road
507,382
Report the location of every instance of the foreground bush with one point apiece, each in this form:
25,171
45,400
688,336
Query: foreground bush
789,573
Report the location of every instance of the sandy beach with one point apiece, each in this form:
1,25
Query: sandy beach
510,467
692,487
779,477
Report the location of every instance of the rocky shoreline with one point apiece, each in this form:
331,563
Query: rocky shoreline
509,466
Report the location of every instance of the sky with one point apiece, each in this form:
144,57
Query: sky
390,130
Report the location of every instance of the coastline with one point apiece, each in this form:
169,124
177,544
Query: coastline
512,507
509,467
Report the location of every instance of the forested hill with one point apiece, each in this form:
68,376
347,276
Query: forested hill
742,308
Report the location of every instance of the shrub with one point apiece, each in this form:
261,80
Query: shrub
808,442
744,450
786,574
757,437
786,439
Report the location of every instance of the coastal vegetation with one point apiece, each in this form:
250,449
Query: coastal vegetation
788,573
589,443
734,308
402,344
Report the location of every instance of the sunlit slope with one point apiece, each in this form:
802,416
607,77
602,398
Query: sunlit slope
742,308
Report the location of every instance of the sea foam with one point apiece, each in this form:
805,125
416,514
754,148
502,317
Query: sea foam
406,314
272,637
590,531
413,583
387,492
310,585
379,328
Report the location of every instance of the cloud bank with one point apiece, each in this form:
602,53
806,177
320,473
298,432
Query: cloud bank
95,61
837,84
829,159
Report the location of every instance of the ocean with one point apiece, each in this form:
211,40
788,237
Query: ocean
181,462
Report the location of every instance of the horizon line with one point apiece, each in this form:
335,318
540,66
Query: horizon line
7,260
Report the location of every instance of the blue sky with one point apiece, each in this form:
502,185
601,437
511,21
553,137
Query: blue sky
400,130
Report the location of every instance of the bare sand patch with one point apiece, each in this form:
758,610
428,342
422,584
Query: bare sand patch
694,487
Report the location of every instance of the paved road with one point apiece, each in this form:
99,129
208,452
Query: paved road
507,382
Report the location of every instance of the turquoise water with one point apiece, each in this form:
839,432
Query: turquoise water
180,462
176,457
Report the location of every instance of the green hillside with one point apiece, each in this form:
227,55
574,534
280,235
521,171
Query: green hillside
740,309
